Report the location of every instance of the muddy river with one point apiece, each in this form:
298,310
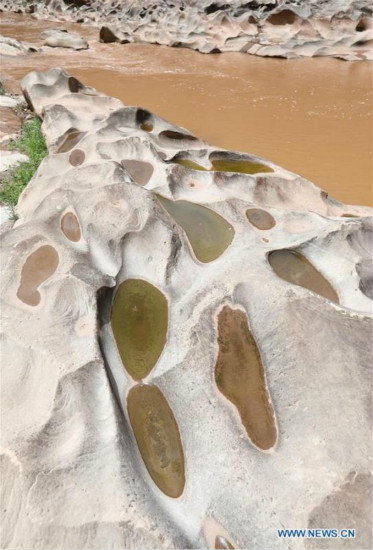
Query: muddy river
311,116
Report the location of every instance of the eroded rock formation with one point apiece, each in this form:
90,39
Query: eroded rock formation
10,46
60,38
280,28
97,453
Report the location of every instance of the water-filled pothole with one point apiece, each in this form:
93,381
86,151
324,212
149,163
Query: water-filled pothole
177,136
147,127
295,268
223,543
209,233
139,320
77,157
260,218
189,163
38,267
140,171
71,139
239,166
158,438
239,375
70,227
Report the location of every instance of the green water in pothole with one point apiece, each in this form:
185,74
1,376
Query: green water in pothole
209,233
139,320
158,438
227,165
190,164
38,267
295,268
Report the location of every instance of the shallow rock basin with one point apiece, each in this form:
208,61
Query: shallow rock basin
158,438
139,320
226,165
295,268
70,227
260,218
209,233
239,375
38,267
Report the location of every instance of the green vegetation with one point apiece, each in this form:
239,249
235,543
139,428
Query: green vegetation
31,142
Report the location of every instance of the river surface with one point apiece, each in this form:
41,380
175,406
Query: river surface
310,116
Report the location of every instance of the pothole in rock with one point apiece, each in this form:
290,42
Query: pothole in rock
144,120
77,157
223,543
177,136
70,227
38,267
209,234
239,375
139,321
140,171
260,218
158,438
295,268
72,138
239,166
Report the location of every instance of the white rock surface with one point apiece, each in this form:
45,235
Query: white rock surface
73,477
10,158
7,101
11,46
56,38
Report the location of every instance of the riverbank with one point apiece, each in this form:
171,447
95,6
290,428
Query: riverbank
312,116
266,28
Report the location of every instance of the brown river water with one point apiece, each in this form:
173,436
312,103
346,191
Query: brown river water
311,116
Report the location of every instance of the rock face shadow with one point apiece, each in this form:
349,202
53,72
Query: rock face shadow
239,375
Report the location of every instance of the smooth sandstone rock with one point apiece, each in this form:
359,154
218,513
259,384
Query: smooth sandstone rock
72,474
11,46
56,38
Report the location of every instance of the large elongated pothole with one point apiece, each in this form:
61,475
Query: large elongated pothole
158,438
238,166
295,268
240,376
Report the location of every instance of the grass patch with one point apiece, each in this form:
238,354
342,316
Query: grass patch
31,142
